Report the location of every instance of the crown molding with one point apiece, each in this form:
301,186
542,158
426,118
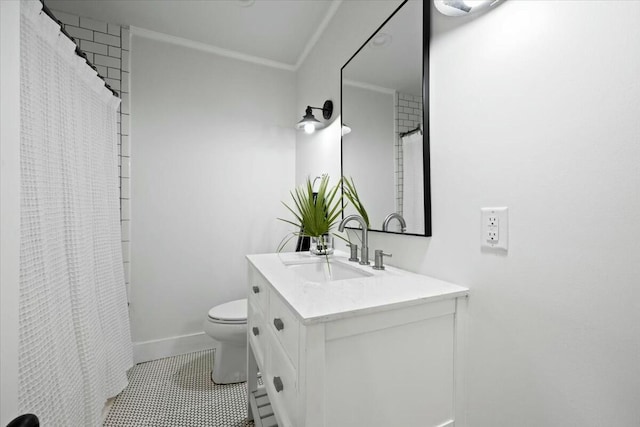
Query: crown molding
204,47
179,41
318,33
368,86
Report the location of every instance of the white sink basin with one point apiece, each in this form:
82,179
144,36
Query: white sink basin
322,271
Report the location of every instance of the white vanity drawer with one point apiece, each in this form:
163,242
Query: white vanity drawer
282,383
284,326
257,331
258,290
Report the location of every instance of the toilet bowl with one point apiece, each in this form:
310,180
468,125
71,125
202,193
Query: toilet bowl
227,325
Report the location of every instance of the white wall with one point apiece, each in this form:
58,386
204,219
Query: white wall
10,206
370,114
318,79
212,156
534,106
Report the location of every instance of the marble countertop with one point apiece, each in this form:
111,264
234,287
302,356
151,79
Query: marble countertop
315,302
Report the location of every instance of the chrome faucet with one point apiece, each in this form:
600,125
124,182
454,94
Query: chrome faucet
364,258
403,223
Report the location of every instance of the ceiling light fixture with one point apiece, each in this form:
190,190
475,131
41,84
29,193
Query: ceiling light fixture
463,7
309,123
246,3
380,40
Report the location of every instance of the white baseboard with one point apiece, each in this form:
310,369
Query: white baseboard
145,351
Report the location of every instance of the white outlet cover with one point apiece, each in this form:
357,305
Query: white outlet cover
488,229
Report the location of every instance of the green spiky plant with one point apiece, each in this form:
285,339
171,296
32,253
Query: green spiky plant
313,218
349,191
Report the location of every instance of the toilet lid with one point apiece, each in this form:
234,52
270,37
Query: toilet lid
234,311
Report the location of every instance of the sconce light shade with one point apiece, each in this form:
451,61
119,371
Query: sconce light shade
345,129
309,123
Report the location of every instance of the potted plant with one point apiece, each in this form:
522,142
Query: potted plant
315,214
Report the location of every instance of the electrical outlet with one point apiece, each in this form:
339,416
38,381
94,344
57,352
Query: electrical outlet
494,228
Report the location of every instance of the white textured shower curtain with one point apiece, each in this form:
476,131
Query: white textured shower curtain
75,343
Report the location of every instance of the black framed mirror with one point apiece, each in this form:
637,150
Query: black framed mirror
385,118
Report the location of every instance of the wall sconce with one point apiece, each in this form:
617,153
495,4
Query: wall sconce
309,123
463,7
345,129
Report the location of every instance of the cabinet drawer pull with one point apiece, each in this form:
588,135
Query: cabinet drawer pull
278,324
256,290
277,383
256,331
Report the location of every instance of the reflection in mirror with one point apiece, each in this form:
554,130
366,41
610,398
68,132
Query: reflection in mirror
463,7
382,102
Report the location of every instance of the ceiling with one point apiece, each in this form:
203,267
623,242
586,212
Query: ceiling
283,31
396,66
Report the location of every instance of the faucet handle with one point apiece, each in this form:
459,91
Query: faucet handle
354,252
378,259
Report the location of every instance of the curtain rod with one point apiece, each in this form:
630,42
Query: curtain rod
418,129
79,51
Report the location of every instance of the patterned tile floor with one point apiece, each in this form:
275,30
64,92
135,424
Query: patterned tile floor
178,392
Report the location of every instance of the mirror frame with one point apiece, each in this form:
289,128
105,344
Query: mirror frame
426,37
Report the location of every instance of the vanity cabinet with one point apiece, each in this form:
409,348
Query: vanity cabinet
353,352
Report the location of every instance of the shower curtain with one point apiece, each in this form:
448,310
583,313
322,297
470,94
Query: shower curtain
75,343
413,183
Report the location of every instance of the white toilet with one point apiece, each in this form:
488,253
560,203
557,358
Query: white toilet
227,325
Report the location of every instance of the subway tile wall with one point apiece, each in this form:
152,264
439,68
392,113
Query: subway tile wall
408,116
107,47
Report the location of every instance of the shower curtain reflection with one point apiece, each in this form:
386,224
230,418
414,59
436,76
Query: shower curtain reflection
413,182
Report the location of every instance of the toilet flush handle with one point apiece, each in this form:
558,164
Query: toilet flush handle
278,323
277,384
